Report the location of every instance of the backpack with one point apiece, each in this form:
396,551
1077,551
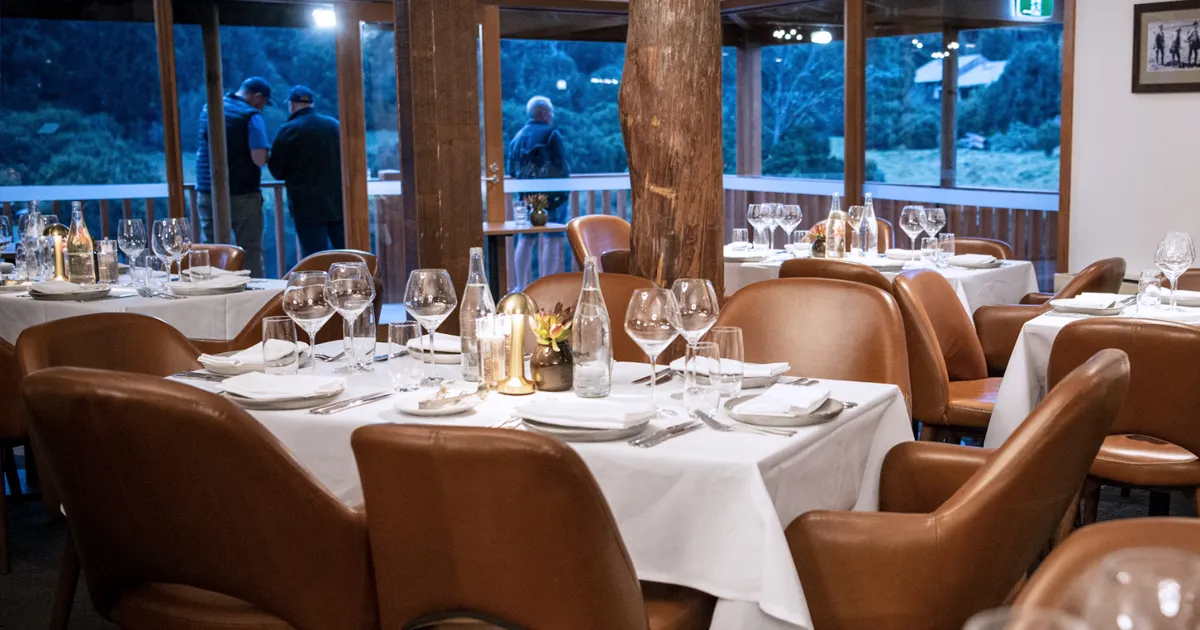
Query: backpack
535,163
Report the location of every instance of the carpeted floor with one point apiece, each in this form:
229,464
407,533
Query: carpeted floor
36,542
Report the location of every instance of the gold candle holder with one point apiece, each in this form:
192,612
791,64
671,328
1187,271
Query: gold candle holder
57,234
520,307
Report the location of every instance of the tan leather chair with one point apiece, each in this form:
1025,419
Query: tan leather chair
1189,281
979,245
184,510
823,328
886,235
1153,443
124,342
834,269
227,257
505,527
13,433
999,325
594,234
958,526
952,394
321,261
617,290
615,261
1062,581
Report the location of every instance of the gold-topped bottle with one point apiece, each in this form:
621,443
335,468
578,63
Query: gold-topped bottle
81,260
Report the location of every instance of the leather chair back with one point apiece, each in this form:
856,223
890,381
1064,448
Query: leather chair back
503,526
321,261
221,256
987,246
1164,359
834,269
12,427
617,290
885,235
594,234
1189,281
615,261
1102,276
1063,579
169,484
942,346
822,328
124,342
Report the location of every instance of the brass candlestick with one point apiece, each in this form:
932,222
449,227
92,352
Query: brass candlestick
57,234
520,307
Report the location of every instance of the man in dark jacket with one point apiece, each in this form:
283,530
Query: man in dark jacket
307,157
538,152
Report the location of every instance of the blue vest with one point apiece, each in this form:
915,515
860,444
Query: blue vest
244,175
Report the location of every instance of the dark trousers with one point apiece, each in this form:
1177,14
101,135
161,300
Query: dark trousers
318,237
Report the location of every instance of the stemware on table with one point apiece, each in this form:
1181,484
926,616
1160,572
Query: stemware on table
1175,255
166,241
1144,587
5,231
358,339
789,218
771,216
698,307
429,297
854,216
131,238
756,216
652,321
935,220
912,221
351,290
304,301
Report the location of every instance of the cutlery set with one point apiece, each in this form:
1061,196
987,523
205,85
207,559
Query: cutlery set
349,403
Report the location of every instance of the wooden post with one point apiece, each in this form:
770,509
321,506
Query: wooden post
493,120
348,50
670,105
749,109
949,107
1066,138
218,157
437,95
164,22
856,102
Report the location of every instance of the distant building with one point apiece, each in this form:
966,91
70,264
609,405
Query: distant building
974,71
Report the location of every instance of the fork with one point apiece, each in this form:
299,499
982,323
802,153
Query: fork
328,359
150,293
713,424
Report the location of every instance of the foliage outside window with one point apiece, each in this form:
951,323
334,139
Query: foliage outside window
904,115
803,110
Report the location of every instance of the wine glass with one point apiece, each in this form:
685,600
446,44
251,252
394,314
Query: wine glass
185,240
789,219
5,231
935,220
1144,587
429,297
912,221
1174,255
756,217
350,290
698,307
854,216
1024,618
131,238
652,321
305,302
166,241
771,216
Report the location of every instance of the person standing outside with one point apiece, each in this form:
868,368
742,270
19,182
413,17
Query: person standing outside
247,150
538,152
307,157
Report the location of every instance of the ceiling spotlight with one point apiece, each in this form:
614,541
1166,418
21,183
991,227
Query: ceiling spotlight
324,18
821,37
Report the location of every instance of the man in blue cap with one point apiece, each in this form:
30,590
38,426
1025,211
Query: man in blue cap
247,150
307,157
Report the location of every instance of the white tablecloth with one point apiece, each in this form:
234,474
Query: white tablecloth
198,317
705,510
975,287
1024,383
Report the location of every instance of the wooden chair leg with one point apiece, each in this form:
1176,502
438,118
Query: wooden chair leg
1160,503
64,592
928,433
1091,501
1067,525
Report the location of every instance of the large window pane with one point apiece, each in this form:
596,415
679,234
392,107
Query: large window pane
803,110
1010,108
904,119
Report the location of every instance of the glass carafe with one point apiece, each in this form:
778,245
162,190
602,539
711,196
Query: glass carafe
591,337
81,251
476,302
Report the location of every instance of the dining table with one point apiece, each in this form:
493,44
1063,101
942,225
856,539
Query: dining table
1005,284
706,509
196,316
1025,380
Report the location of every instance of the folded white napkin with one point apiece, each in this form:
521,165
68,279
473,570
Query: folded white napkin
1182,295
217,282
216,272
785,401
255,355
903,254
442,343
972,260
259,386
1097,300
591,414
746,254
59,287
704,365
877,262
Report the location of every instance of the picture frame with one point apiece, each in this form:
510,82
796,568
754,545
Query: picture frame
1166,47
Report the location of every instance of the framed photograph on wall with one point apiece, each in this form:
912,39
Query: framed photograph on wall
1166,47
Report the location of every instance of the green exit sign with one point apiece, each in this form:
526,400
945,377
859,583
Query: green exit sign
1033,9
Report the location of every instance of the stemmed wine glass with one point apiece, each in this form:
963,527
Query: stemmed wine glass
698,307
350,290
5,231
1144,587
652,321
166,242
771,216
1174,255
131,238
429,297
304,301
912,221
789,218
854,217
756,216
935,220
185,231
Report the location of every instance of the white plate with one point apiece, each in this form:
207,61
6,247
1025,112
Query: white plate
586,435
301,402
178,288
83,295
410,405
993,265
1067,306
827,411
440,358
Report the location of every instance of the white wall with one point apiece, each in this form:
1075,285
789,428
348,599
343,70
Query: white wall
1136,163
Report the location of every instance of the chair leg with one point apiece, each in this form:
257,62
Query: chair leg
928,433
31,471
1069,520
64,592
1091,501
1160,503
8,461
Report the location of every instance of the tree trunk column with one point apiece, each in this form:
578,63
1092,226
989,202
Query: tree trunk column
670,104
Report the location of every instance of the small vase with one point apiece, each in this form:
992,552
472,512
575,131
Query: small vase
818,248
539,217
552,370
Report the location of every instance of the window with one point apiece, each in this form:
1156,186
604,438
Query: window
803,110
904,112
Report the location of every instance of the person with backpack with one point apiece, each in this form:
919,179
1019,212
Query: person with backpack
538,152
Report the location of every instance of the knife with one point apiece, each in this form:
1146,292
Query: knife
204,376
349,404
655,439
646,379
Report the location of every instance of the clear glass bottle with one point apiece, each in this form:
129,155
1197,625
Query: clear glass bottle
837,230
476,302
591,337
30,238
81,258
870,229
